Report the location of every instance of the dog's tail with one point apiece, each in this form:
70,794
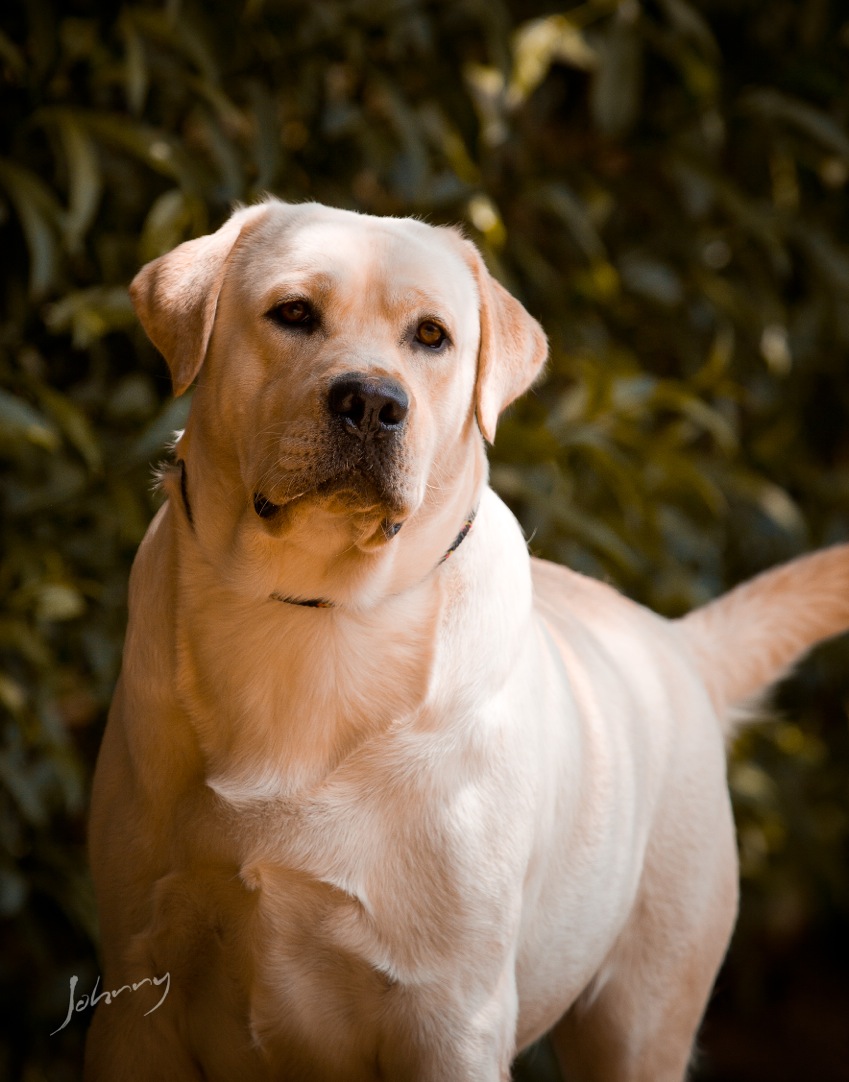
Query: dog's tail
752,636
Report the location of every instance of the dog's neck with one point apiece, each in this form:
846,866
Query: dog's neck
309,687
310,554
324,603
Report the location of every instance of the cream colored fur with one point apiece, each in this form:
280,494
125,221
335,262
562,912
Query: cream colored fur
474,801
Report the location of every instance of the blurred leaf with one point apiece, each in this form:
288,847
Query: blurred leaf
538,43
225,154
172,28
42,40
13,892
75,425
751,782
557,199
40,218
172,218
156,149
411,163
651,278
666,394
11,55
84,179
597,536
30,787
58,601
616,88
89,314
691,24
133,399
771,500
137,79
65,482
831,259
19,420
773,105
266,136
12,695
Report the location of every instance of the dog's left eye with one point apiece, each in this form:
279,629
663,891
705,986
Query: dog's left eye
293,314
430,334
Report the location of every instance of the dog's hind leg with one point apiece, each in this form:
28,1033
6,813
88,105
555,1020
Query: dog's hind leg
638,1020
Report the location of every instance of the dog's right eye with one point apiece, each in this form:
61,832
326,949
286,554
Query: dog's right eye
296,313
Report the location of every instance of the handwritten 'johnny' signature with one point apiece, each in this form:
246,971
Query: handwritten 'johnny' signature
92,1000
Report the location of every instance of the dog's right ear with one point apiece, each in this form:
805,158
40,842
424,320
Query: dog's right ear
176,295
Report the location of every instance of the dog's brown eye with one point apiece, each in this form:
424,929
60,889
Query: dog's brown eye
293,313
430,334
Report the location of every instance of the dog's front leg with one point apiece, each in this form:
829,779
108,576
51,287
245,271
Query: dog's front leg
471,1039
125,1046
363,1027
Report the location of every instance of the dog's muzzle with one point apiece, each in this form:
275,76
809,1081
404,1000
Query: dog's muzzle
367,419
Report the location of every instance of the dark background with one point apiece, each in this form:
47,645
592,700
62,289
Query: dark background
662,183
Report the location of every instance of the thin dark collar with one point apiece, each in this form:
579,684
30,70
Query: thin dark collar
321,602
184,492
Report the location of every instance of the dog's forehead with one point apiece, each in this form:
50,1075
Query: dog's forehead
361,254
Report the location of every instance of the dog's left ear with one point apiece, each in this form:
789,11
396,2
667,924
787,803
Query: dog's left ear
513,346
176,296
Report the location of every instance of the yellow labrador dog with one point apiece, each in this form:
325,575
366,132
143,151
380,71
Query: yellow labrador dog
381,796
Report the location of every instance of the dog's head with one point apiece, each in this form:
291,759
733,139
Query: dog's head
348,365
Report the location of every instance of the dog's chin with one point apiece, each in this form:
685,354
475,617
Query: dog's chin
372,519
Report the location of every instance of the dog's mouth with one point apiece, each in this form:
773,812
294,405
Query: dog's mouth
370,483
266,509
379,513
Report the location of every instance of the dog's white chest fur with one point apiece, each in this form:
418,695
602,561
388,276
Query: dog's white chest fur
384,891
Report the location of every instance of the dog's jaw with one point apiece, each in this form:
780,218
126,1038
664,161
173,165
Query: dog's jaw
376,483
373,526
368,540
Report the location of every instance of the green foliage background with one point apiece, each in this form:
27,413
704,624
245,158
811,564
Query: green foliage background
663,183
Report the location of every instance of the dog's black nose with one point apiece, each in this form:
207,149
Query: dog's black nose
370,407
